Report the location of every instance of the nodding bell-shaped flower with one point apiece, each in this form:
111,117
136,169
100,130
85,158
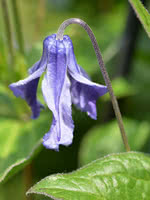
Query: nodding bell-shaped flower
64,83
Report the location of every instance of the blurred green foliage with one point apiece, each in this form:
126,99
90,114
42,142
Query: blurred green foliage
138,134
19,134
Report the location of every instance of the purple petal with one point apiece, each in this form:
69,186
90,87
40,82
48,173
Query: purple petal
63,124
27,89
84,92
56,92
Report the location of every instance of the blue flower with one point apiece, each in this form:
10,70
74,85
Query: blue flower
64,83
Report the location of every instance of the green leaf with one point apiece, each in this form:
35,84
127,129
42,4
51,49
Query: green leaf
118,176
20,142
142,14
107,139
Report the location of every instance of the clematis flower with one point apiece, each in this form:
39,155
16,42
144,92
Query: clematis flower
64,83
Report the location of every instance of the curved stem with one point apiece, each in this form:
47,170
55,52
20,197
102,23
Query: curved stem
103,70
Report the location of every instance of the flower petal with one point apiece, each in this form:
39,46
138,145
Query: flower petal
63,122
27,89
84,95
56,92
84,91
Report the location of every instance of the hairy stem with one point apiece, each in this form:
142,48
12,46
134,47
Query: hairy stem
103,70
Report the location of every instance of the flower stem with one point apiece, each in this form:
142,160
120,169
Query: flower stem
18,26
8,31
103,70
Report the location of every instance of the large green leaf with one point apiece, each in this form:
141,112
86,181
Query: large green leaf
105,139
19,143
118,176
142,14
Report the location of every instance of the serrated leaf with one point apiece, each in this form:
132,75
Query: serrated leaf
118,176
19,143
105,139
142,14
